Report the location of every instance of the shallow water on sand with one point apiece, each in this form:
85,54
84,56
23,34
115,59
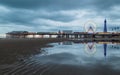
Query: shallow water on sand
68,58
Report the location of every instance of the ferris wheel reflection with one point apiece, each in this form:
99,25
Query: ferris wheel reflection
90,48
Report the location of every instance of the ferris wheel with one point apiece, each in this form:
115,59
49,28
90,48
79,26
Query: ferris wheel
90,27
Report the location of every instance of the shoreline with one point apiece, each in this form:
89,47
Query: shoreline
27,42
12,49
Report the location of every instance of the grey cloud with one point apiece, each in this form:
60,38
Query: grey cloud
24,12
56,5
58,17
106,4
61,18
49,4
15,16
61,4
25,17
29,4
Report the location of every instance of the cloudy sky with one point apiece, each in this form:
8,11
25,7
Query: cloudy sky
54,15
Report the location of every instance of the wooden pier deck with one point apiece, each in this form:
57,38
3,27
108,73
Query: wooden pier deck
74,35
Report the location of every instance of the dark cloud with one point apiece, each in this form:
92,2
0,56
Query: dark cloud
66,12
60,4
17,17
48,4
59,17
106,4
25,17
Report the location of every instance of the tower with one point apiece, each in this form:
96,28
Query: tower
105,25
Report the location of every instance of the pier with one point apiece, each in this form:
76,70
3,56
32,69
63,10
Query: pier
72,35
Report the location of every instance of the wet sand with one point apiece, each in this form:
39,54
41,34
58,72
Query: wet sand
22,57
12,49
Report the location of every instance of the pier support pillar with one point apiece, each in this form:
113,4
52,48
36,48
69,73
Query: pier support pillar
42,36
76,36
50,36
33,36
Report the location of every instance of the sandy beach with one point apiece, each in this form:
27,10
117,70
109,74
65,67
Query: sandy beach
11,49
39,57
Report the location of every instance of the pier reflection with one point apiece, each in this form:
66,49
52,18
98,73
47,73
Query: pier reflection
90,47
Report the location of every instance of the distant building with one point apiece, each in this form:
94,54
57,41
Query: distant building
105,25
16,34
67,31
